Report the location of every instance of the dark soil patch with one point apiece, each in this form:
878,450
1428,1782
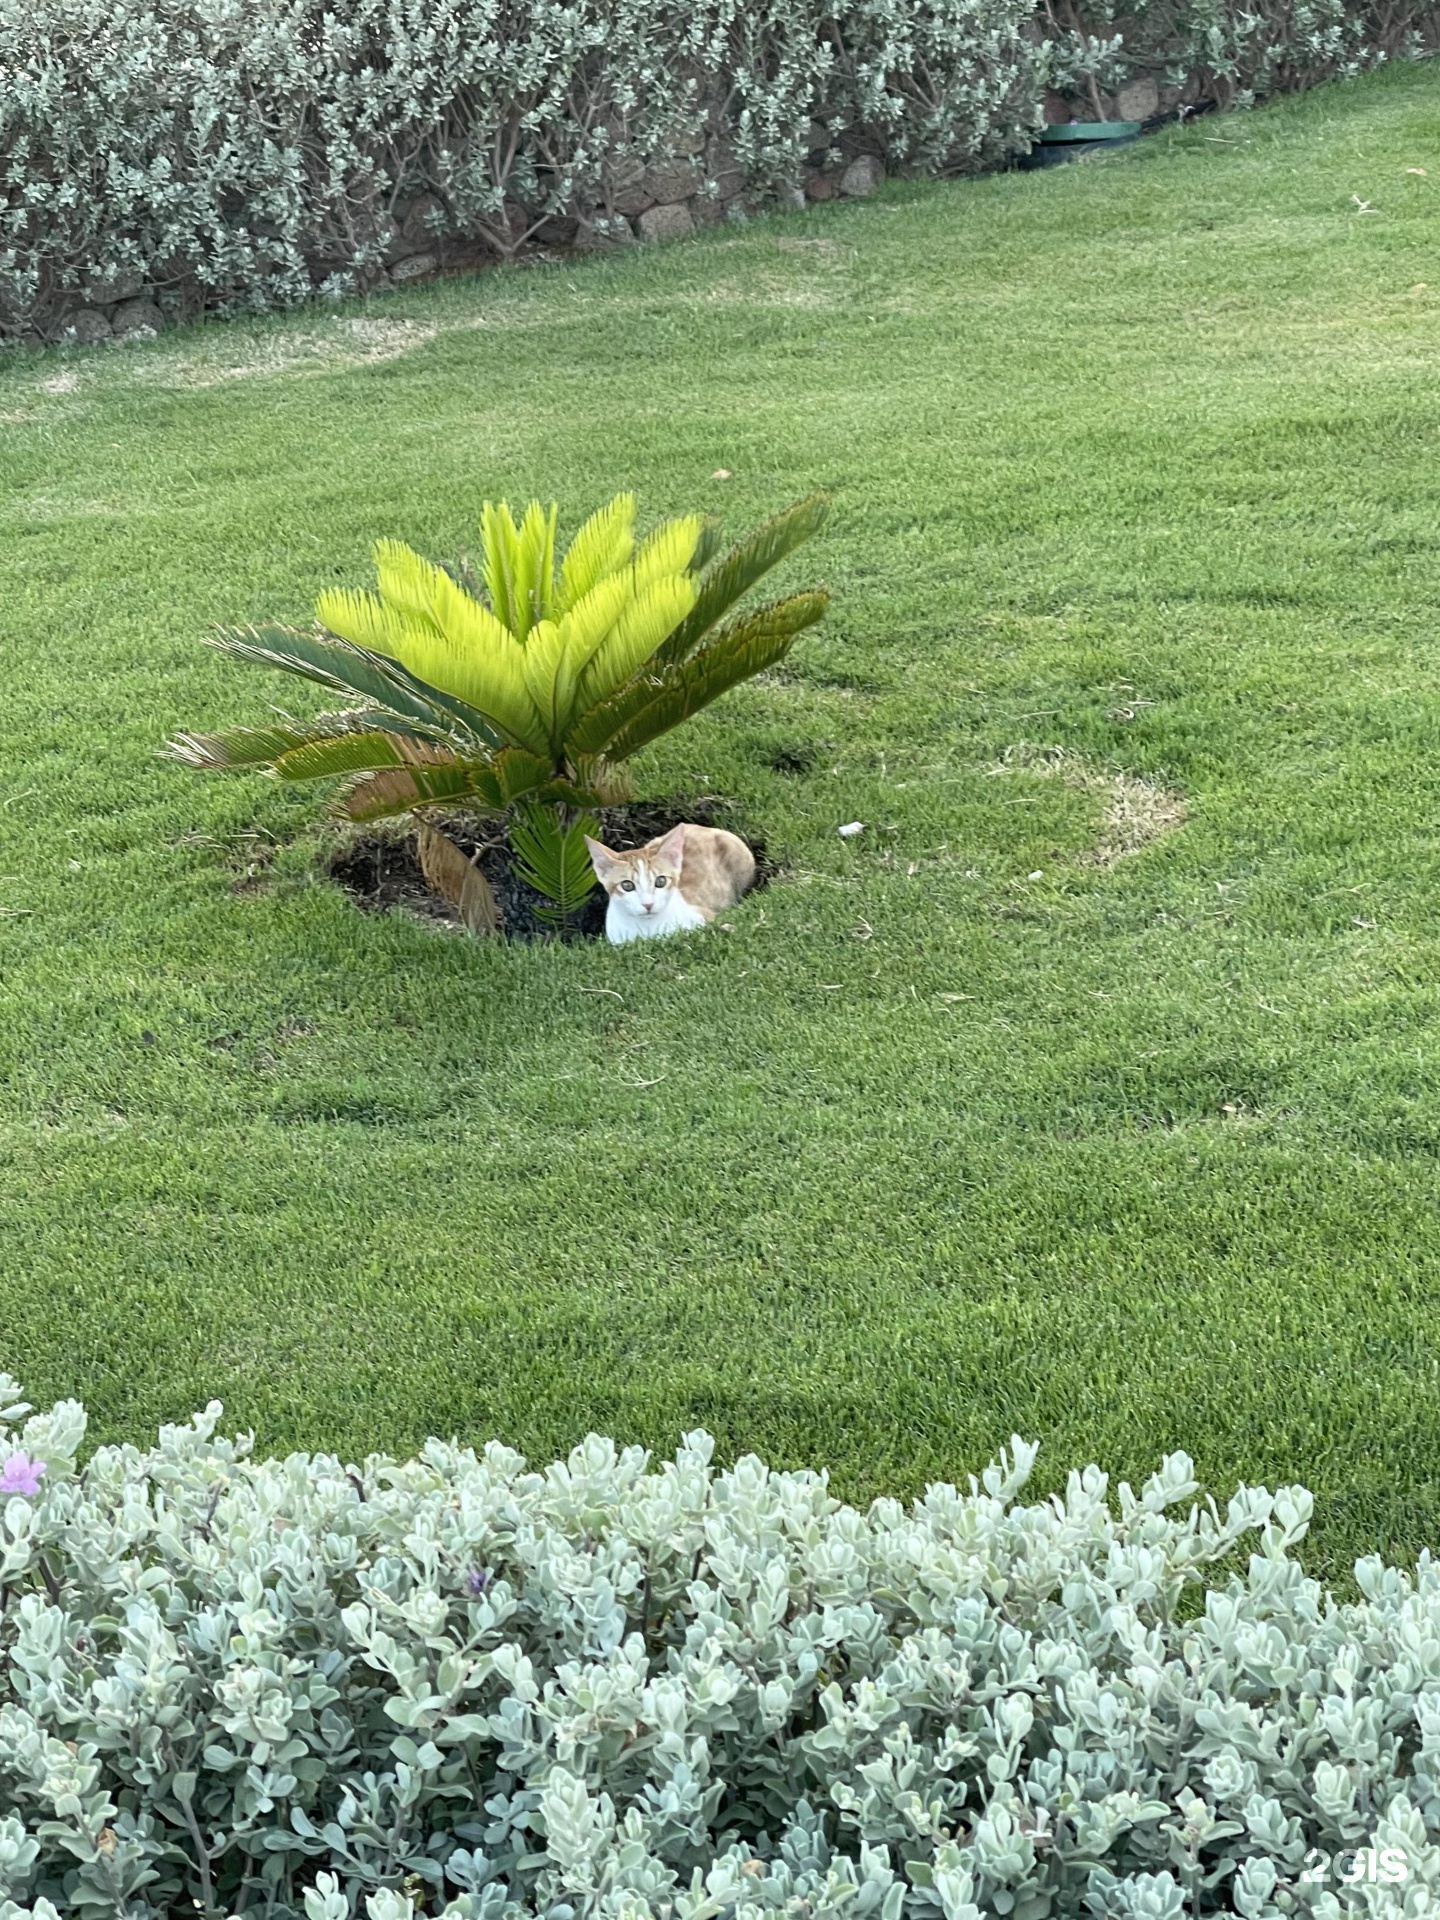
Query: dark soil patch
381,870
796,759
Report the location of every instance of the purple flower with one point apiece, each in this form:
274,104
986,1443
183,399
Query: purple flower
21,1475
477,1580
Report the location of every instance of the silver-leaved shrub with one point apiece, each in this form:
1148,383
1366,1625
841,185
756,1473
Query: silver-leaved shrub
1230,52
235,155
457,1686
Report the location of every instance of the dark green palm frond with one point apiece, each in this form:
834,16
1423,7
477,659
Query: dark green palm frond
602,782
377,796
746,563
237,746
359,753
487,786
345,668
263,746
654,702
708,545
551,856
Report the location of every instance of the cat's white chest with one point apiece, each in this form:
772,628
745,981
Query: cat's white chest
623,923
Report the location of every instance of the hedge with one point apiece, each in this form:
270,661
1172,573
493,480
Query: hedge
457,1686
164,158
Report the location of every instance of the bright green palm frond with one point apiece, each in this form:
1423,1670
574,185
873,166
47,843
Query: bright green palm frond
499,536
519,564
360,617
488,667
655,701
457,645
344,668
602,547
581,633
644,622
669,549
549,679
539,529
746,563
407,583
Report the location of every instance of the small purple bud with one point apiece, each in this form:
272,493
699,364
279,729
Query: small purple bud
477,1580
21,1474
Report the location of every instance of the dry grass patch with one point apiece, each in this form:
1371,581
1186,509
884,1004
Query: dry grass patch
344,342
1137,811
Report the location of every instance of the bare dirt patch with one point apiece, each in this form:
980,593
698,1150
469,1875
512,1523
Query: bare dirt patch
380,867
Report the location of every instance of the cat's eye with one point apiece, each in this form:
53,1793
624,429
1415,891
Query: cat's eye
661,880
627,886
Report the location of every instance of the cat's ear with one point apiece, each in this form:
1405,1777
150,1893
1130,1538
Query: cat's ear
672,847
601,859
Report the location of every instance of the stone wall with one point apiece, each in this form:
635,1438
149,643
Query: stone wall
667,200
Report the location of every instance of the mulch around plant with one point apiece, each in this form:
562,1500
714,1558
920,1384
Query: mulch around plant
380,869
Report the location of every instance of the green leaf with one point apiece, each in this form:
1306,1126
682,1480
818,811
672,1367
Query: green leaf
602,546
380,795
489,785
653,703
746,563
346,668
519,564
358,753
263,746
239,747
551,856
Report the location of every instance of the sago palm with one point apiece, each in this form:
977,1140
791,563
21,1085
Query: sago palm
524,700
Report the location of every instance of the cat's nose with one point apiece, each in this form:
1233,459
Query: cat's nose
649,906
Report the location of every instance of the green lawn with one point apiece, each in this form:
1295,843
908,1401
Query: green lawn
1136,458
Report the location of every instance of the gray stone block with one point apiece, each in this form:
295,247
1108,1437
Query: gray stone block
137,320
862,177
86,328
1138,100
671,180
417,267
628,192
103,290
666,223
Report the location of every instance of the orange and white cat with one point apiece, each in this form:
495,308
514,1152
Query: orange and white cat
680,881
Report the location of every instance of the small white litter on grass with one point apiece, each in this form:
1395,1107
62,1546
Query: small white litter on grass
850,829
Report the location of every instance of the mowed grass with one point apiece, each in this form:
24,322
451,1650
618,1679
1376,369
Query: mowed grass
959,1130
